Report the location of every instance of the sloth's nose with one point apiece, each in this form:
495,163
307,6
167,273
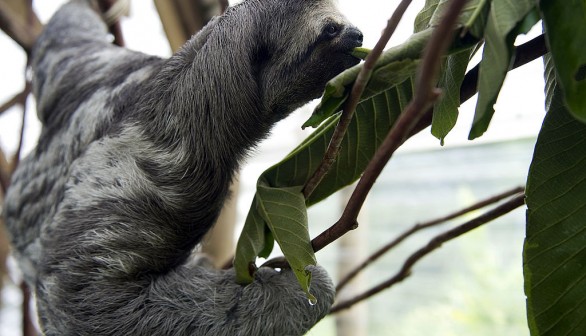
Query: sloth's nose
354,34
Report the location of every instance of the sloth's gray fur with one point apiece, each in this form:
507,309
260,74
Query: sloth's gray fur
134,163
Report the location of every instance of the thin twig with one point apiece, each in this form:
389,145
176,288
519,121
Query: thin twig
30,14
115,28
3,183
424,95
28,327
224,5
4,176
24,96
10,103
432,245
379,253
353,100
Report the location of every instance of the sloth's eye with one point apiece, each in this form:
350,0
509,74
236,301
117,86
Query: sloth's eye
331,30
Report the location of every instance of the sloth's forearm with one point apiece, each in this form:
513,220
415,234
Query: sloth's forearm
195,301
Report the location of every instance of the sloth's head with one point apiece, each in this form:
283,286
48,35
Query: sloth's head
300,45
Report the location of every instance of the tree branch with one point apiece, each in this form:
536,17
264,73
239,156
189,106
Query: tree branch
22,33
432,245
418,227
425,94
353,100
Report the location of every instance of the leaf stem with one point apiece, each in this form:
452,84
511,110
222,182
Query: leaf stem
353,100
432,245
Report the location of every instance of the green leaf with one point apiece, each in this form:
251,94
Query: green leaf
506,20
433,11
283,211
269,244
423,18
477,21
554,252
360,52
252,243
566,33
445,112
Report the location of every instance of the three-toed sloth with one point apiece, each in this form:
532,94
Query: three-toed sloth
135,159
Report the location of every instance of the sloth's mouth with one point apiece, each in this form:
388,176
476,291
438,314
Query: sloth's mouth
351,39
355,60
349,59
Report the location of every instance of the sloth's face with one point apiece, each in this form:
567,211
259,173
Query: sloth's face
305,44
332,52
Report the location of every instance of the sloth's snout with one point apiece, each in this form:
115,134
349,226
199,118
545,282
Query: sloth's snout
354,36
351,38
